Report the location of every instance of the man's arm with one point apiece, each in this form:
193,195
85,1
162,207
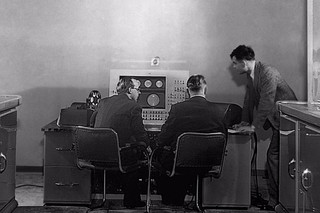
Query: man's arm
137,126
268,89
248,104
167,133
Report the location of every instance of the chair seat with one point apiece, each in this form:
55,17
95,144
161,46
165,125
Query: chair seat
98,148
196,154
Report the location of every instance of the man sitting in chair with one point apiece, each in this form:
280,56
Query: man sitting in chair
193,115
123,114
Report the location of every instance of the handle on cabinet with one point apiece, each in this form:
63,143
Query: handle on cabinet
292,168
307,179
3,162
67,184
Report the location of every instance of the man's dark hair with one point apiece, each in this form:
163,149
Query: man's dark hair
194,82
243,52
124,84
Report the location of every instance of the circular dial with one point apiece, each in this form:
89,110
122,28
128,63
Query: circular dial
147,83
153,100
159,83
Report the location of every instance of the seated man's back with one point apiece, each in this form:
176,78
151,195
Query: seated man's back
193,115
196,114
124,115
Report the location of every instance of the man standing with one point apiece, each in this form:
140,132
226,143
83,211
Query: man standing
123,114
196,114
265,87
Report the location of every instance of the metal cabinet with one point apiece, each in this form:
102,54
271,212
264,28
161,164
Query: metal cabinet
8,129
309,169
64,182
299,175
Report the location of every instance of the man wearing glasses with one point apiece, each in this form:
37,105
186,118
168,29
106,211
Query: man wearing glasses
123,114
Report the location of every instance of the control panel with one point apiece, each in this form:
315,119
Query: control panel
160,89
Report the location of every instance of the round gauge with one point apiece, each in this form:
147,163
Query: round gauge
159,83
153,100
147,83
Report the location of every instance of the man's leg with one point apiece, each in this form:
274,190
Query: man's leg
273,168
131,190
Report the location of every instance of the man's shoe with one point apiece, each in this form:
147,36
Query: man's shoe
96,203
267,207
134,205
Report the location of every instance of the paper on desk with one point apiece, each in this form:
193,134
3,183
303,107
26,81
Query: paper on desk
233,131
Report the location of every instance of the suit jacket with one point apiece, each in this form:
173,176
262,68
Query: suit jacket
122,115
267,88
193,115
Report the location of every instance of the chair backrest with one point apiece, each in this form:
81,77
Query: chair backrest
98,146
231,113
197,153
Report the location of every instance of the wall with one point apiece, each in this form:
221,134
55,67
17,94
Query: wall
55,52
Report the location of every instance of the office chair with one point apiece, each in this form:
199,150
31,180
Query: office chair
197,154
98,148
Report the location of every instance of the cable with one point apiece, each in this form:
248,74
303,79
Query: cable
254,161
23,185
260,202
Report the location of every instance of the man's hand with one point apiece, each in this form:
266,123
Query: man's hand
246,129
242,124
149,150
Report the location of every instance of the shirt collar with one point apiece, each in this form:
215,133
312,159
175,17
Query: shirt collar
252,71
203,96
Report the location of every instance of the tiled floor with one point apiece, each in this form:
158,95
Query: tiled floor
29,189
29,194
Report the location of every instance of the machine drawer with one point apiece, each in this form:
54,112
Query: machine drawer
7,191
9,118
8,137
8,175
11,156
59,149
66,185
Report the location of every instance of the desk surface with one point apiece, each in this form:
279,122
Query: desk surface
9,101
303,111
52,126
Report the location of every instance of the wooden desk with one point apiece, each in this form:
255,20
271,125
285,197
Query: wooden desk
64,182
233,188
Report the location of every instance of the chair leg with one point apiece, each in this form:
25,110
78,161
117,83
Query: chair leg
104,204
199,207
104,185
149,187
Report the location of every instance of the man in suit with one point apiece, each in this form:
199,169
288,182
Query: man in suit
265,87
123,114
193,115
